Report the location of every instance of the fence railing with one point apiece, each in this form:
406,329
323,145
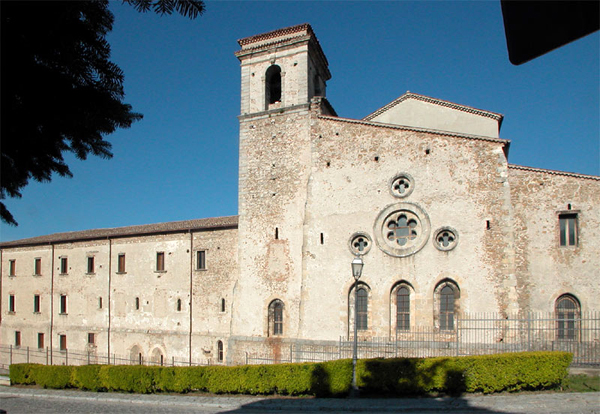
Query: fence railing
10,354
472,334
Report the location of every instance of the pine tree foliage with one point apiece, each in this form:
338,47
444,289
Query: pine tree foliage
60,91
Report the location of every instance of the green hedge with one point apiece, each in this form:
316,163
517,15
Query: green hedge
398,376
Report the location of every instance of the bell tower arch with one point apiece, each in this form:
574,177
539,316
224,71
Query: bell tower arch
281,69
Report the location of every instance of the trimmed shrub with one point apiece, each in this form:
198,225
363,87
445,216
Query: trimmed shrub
21,374
87,377
399,376
52,376
129,378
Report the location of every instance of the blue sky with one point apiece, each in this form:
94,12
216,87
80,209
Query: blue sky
180,161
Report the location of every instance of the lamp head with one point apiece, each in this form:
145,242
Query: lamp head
357,266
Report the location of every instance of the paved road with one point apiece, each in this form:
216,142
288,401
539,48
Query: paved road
28,400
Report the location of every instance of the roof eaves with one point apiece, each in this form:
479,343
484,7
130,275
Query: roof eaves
553,172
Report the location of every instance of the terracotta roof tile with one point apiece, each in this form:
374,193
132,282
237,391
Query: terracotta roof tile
145,229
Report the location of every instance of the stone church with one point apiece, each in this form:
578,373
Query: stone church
420,189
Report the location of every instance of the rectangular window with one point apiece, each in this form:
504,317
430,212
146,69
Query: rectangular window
63,342
36,303
160,261
63,304
12,267
568,229
91,338
64,266
37,267
11,303
40,340
121,264
201,260
17,338
90,264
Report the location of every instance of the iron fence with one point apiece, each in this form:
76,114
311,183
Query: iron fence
10,354
472,334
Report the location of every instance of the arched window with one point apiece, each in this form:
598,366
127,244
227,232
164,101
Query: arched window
362,309
273,85
567,312
446,298
276,317
403,308
220,351
135,355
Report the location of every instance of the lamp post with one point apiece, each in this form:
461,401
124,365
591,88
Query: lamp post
357,265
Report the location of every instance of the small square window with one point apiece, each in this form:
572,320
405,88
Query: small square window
36,303
37,267
121,263
11,303
63,304
17,338
12,267
90,265
64,266
40,340
568,229
91,338
160,261
63,342
201,260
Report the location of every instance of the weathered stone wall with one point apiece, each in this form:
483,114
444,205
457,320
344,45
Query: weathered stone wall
546,270
458,182
211,322
24,285
103,302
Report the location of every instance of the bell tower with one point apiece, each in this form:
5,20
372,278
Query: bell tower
281,69
281,73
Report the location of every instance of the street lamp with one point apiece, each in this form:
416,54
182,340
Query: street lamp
357,266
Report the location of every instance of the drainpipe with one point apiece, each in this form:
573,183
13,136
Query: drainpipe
191,290
51,304
109,289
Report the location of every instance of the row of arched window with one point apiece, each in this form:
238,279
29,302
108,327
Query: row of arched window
446,297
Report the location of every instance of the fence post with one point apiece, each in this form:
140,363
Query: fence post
66,357
291,353
528,331
173,360
46,355
28,355
10,353
457,333
88,357
246,357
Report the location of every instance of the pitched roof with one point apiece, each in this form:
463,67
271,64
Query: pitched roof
304,27
435,101
553,172
145,229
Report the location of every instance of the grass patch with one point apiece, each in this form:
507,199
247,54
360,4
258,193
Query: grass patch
581,383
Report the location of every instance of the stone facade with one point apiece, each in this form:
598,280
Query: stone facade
421,189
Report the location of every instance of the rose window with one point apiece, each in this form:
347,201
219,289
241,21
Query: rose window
360,244
401,185
445,238
401,229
